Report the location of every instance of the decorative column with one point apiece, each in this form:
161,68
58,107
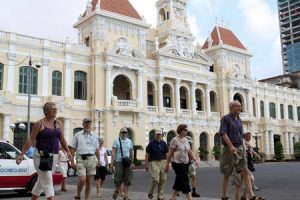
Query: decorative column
177,91
5,130
45,82
286,112
11,72
193,95
67,130
140,87
207,101
287,143
108,90
258,107
68,79
295,113
160,94
278,114
267,144
267,109
249,102
291,135
271,139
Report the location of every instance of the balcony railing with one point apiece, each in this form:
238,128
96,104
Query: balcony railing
215,114
201,113
127,104
169,110
152,109
185,112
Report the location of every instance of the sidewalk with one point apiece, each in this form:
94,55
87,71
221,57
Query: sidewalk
107,195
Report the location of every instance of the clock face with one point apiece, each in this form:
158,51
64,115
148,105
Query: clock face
177,13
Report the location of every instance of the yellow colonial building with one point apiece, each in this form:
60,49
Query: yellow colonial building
122,73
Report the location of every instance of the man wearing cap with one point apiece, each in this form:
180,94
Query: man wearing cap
155,159
122,173
192,171
85,143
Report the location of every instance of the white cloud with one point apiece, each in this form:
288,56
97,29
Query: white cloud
195,28
260,19
147,9
206,6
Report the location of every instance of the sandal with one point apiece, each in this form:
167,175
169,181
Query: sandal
115,195
243,198
257,198
77,198
225,198
150,196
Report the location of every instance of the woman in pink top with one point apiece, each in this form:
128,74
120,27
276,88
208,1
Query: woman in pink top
180,154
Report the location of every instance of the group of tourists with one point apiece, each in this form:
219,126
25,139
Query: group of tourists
91,158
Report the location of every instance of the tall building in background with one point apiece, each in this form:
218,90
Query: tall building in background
289,17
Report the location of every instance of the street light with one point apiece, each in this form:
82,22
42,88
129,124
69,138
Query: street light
21,126
256,141
29,80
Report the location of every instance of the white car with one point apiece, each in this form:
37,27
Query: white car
20,178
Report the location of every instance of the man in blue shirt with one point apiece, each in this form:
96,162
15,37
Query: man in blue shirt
233,153
156,154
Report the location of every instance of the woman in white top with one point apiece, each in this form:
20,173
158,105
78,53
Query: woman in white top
102,167
63,167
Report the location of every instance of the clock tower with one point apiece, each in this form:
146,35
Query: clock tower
172,26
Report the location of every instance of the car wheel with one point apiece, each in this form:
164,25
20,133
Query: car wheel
71,172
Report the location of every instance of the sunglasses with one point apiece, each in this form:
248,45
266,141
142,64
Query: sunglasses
124,132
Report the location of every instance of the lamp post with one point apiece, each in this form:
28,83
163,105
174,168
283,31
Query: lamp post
29,84
256,141
21,126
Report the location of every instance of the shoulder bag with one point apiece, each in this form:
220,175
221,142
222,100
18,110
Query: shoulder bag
126,161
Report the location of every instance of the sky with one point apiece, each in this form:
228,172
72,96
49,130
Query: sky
254,22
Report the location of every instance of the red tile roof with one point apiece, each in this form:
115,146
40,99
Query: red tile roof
122,7
227,37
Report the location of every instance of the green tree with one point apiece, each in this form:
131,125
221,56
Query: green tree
297,150
202,152
279,151
216,151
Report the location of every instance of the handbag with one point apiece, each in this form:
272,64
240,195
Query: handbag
126,162
46,160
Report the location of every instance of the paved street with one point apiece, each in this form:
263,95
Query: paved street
278,181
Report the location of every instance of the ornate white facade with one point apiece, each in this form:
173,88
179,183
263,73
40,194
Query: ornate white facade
145,79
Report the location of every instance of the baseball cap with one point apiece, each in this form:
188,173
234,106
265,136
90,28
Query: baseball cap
189,139
158,133
123,130
85,120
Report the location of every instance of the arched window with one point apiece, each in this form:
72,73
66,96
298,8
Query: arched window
170,136
1,76
24,74
298,113
281,111
262,109
290,112
56,83
80,85
272,108
151,94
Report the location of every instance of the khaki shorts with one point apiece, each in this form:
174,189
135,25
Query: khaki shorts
229,161
192,169
86,167
122,175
